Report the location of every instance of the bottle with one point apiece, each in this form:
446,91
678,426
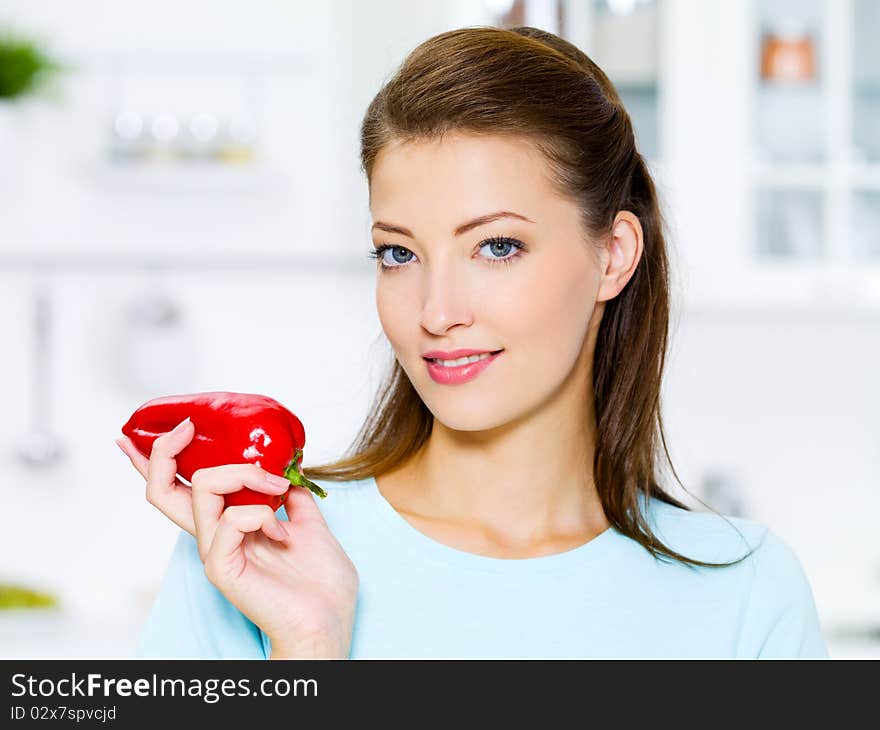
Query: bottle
788,53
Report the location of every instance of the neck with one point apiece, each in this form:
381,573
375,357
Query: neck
526,483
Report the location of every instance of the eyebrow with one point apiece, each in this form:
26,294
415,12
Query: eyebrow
463,228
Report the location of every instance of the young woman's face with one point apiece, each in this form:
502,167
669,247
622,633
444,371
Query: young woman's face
446,288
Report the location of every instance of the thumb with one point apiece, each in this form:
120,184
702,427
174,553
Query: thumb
162,466
172,442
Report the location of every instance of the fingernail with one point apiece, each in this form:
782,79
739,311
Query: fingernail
180,426
118,442
277,481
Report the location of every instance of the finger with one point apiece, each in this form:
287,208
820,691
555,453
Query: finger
209,485
164,491
302,506
138,460
236,522
177,504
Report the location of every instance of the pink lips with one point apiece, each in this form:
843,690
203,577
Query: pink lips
460,374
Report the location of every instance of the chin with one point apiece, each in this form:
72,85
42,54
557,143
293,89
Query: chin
468,415
469,425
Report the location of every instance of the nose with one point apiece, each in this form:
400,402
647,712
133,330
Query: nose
446,301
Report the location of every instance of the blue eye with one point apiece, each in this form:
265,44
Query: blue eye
501,245
378,253
497,245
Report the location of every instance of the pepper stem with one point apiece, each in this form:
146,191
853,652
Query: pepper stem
297,479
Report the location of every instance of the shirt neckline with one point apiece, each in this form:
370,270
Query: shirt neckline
412,539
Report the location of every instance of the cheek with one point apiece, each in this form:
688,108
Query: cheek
552,307
394,314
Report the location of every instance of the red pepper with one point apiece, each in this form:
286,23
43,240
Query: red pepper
230,428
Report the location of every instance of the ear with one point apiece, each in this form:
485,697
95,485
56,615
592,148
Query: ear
621,256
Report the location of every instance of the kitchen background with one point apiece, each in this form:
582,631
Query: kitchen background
181,209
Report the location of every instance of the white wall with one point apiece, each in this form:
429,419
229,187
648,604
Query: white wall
788,406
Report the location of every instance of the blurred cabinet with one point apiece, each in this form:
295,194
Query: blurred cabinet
623,37
866,80
761,121
813,187
816,148
623,41
864,211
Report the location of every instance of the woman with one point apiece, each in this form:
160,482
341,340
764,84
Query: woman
508,506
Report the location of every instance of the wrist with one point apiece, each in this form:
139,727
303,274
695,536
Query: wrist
316,646
308,650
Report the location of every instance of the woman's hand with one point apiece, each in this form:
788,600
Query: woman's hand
291,578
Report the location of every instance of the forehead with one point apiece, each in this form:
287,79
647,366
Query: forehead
457,175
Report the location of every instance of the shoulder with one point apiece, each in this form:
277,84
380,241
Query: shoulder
709,536
714,537
779,616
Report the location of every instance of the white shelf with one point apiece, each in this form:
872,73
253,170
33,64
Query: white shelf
815,176
98,262
174,63
806,176
781,288
183,177
865,176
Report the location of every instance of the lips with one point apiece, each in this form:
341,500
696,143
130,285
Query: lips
461,373
455,354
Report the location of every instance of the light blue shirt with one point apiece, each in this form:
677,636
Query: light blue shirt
608,598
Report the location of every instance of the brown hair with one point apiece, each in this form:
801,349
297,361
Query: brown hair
532,84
